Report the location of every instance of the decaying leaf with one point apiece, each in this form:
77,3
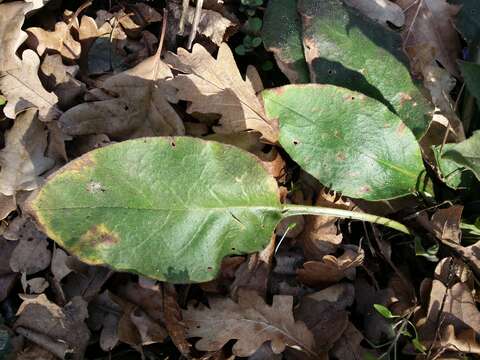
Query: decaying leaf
324,312
429,27
12,16
215,86
61,80
23,89
7,203
173,319
331,269
23,160
55,326
59,41
321,235
136,327
105,314
211,23
251,322
453,317
135,104
31,255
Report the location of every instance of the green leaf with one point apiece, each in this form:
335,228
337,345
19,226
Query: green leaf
384,311
254,24
344,48
419,346
167,208
471,74
468,20
2,100
256,41
430,254
466,153
349,142
240,50
281,35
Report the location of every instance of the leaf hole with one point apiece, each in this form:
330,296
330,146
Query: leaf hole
125,107
330,72
233,249
295,142
209,268
173,144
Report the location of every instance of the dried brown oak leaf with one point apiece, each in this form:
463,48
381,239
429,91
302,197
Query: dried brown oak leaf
173,319
215,86
54,326
23,90
136,103
331,269
22,159
12,16
453,318
251,322
58,41
429,27
211,24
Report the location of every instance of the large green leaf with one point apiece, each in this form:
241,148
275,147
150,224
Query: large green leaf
466,153
345,48
471,74
168,208
348,141
281,34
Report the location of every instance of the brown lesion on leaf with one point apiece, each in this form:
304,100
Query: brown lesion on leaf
401,128
341,156
97,237
404,98
365,189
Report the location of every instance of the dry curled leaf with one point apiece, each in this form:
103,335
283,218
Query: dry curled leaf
429,28
453,318
173,319
53,326
321,235
251,322
104,315
23,90
211,23
331,269
135,104
23,159
31,254
215,86
12,16
58,41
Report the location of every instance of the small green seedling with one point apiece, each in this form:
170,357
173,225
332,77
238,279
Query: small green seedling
399,328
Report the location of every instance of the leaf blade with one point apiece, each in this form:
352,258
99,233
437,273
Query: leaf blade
347,141
104,207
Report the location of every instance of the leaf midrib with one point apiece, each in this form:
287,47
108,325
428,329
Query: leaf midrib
279,208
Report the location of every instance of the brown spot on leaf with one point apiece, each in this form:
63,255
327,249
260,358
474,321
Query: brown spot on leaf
401,129
97,235
365,189
341,156
404,98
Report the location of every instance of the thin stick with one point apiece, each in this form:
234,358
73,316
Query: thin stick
291,210
196,21
181,26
